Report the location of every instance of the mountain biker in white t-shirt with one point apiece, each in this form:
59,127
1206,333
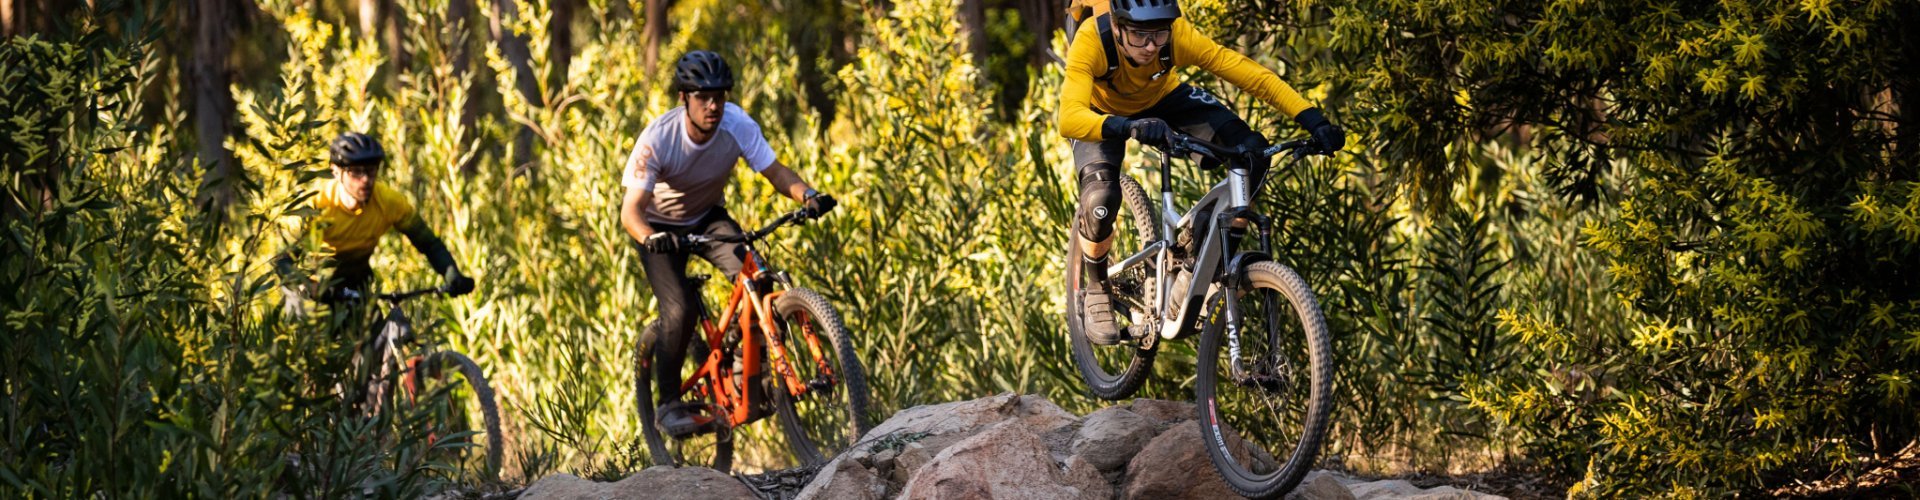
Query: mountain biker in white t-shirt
676,178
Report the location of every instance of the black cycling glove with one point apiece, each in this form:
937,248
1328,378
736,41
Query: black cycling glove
662,243
1328,135
819,204
457,284
1149,131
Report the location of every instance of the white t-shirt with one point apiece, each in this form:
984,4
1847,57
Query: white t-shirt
689,179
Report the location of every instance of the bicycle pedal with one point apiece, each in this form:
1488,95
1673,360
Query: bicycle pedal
820,386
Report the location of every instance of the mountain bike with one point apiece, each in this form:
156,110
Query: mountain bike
1276,377
445,383
776,349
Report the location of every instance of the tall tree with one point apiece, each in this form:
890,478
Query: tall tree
513,46
818,26
212,86
560,39
459,26
1041,18
656,29
973,22
381,20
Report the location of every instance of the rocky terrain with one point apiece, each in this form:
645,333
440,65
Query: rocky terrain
1004,446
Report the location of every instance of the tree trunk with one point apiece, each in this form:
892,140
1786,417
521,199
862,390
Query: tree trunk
656,30
1041,18
816,26
212,84
394,27
9,19
514,48
369,11
23,17
460,27
973,21
560,41
381,20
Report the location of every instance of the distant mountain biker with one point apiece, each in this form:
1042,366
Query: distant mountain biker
354,210
1120,84
676,178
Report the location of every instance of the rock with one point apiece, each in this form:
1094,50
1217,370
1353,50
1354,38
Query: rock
1174,465
1379,490
1451,493
1042,415
1110,437
912,456
848,479
1163,413
972,416
1005,461
678,483
1320,486
563,486
1086,477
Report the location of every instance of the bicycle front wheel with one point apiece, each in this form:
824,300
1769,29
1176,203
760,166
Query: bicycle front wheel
1116,372
827,411
713,449
1265,387
453,386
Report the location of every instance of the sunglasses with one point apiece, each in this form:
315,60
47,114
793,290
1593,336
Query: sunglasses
1143,38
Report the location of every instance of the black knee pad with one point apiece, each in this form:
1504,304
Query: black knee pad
1099,200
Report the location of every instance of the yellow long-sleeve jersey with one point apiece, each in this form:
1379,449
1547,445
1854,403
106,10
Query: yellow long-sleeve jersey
1085,103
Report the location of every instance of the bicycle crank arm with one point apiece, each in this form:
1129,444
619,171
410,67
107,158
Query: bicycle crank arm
1151,250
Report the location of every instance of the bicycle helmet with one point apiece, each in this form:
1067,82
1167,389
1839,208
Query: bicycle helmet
356,149
1154,13
702,70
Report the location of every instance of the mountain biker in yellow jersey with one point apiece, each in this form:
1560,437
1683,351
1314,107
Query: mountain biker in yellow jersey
1120,84
354,211
676,178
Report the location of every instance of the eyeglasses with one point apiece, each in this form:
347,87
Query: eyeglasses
1143,38
708,97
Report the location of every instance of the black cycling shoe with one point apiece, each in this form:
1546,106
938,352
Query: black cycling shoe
683,419
1096,306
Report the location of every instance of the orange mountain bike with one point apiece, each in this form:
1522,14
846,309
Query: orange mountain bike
776,349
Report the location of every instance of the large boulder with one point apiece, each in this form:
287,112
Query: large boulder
972,416
1007,446
1320,486
1111,437
661,483
1174,465
1006,461
847,479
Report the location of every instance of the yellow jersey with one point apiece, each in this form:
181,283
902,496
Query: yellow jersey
1085,102
355,232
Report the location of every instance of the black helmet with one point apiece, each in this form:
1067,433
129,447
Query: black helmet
1146,12
702,70
356,149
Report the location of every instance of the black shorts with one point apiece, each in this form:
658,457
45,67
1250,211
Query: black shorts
1189,109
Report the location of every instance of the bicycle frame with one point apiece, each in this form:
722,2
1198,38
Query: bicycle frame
750,307
1229,200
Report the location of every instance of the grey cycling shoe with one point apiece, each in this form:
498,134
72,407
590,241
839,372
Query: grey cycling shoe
1096,306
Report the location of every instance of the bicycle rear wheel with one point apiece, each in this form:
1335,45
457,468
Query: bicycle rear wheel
1116,372
830,412
453,386
712,449
1269,392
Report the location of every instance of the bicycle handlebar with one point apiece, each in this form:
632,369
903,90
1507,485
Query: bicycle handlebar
400,296
1179,144
796,216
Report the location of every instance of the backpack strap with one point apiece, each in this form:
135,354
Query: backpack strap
1112,49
